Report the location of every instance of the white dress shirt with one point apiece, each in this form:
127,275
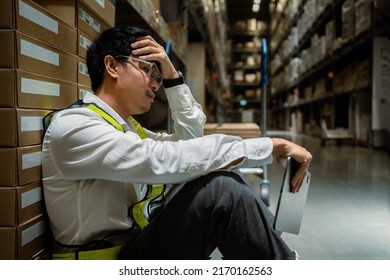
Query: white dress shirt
93,172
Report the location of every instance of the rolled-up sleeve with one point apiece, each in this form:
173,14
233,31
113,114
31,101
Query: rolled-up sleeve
187,114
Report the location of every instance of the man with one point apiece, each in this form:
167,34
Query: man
97,161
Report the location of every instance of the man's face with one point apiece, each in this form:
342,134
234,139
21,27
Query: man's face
135,89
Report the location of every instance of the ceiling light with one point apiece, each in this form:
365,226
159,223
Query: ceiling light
256,1
255,8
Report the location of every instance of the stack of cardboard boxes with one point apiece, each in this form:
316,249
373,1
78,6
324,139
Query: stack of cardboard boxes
89,18
42,68
243,130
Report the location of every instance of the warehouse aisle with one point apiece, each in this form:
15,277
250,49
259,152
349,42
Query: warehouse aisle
347,214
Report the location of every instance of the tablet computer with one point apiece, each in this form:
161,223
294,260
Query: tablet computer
290,207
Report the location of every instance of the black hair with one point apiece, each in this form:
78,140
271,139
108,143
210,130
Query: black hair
114,41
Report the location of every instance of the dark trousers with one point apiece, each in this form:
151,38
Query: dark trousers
216,210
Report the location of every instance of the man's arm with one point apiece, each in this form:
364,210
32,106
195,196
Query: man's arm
187,114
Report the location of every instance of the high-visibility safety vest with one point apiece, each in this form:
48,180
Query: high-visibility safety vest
141,212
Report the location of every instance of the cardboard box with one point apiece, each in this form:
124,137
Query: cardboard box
27,53
32,91
83,90
89,22
20,204
82,74
24,241
30,18
83,42
20,166
363,19
210,128
156,4
66,9
43,254
243,130
104,9
21,127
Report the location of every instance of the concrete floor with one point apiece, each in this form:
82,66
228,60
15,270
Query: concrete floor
347,213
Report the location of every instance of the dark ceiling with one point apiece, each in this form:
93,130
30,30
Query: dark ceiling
242,9
236,10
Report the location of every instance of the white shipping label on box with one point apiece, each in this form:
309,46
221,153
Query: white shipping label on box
101,3
31,123
83,69
90,20
31,160
83,92
33,232
31,197
37,17
37,52
84,42
31,86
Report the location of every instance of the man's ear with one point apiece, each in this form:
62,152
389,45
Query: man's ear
111,66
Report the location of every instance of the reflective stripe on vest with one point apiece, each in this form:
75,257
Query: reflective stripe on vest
100,254
105,116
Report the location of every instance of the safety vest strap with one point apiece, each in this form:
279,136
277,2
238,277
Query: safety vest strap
139,129
100,254
143,211
105,116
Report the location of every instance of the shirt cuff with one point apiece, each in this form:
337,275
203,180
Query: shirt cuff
179,97
259,151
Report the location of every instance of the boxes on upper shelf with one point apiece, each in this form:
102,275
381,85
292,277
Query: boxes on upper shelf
30,18
89,22
363,19
68,9
348,20
239,75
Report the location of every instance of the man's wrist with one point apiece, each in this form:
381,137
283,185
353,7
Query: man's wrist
174,82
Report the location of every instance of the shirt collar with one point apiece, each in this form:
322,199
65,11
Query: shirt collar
92,98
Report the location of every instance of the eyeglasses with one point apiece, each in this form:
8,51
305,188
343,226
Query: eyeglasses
148,67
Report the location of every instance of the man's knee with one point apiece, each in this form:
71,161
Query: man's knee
223,185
